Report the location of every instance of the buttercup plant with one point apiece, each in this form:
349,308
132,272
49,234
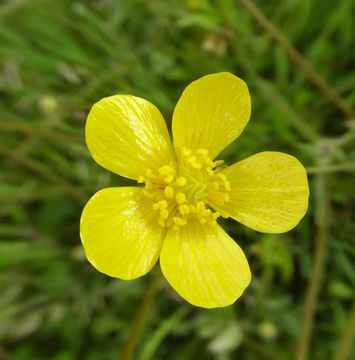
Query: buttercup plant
125,230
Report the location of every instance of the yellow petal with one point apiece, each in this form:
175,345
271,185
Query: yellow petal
211,113
119,232
204,265
269,192
128,135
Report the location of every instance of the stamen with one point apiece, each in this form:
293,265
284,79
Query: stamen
166,170
169,179
193,209
190,189
169,192
163,204
214,186
148,194
184,209
180,198
196,165
218,163
181,181
179,221
202,152
227,185
222,177
150,174
185,152
164,213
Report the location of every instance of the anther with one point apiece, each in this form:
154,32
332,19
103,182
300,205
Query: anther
164,213
163,204
148,194
208,161
227,185
180,191
202,151
181,181
191,159
149,185
184,209
160,205
222,177
196,165
166,170
169,179
169,192
202,220
185,151
207,212
223,214
150,173
180,198
218,163
226,197
217,199
200,206
161,222
178,221
214,186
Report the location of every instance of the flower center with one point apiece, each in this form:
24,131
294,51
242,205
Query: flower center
187,189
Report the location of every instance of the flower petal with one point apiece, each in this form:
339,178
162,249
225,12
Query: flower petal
211,113
204,265
119,232
269,192
128,135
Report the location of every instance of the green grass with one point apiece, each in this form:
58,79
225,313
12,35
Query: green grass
59,57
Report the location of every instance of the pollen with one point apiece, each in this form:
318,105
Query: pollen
189,189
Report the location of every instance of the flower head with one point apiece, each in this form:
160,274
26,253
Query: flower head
173,215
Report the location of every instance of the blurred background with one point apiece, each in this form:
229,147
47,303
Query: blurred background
59,57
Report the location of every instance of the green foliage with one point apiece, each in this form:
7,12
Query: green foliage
59,57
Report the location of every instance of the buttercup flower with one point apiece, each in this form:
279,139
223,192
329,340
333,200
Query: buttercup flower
125,230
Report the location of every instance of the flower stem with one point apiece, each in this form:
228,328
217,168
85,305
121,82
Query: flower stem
346,343
271,93
348,137
139,319
38,132
298,58
348,167
315,281
37,168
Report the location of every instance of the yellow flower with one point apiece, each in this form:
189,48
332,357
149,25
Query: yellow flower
125,230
